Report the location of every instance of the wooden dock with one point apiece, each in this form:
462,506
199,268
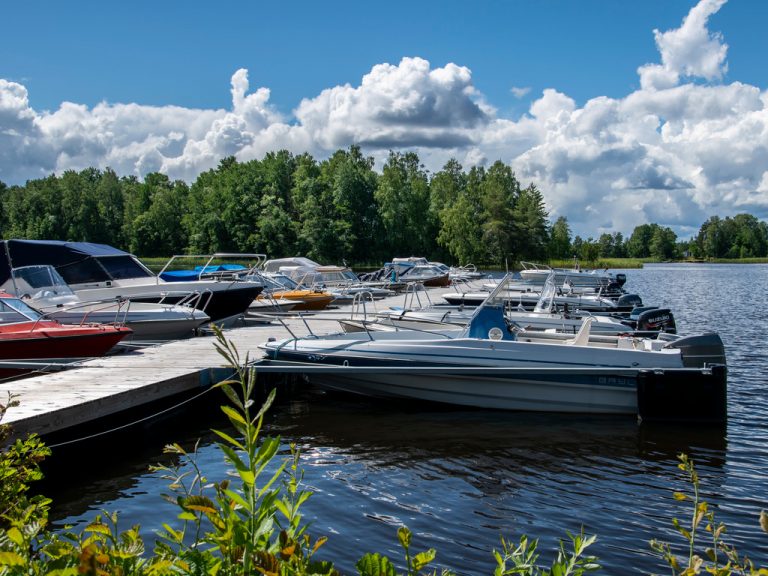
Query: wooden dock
107,386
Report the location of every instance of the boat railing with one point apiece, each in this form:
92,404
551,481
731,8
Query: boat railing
461,285
360,305
199,299
122,307
193,300
534,266
412,297
206,269
303,318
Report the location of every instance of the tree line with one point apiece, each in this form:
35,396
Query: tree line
337,210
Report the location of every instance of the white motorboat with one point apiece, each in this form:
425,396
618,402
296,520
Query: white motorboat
45,290
545,316
467,272
419,269
578,276
98,272
492,364
340,281
527,297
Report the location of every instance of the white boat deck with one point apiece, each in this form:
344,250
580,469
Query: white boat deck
105,386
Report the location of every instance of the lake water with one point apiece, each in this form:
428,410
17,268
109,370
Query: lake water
461,479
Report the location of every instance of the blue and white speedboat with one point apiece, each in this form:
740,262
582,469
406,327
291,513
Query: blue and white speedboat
491,363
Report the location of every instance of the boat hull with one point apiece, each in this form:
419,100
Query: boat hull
520,390
157,325
43,342
509,375
217,300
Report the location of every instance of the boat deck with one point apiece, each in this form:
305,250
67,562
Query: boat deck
101,387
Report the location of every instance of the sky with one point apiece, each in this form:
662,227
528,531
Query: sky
620,112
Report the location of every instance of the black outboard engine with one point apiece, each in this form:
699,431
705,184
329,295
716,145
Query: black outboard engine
620,279
700,350
656,320
629,301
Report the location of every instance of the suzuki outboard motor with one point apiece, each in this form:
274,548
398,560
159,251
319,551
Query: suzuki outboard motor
655,320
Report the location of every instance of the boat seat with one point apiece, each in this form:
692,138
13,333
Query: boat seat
626,343
582,336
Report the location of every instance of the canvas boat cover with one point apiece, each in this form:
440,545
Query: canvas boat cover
77,262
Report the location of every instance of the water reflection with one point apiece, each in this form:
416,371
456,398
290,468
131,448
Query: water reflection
462,478
459,479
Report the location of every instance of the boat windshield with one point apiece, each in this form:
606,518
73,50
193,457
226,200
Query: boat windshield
14,310
39,281
547,298
283,281
123,267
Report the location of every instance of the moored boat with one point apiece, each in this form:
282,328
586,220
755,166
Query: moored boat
26,335
45,290
281,287
492,364
98,272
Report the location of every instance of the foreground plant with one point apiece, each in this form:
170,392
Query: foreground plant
250,523
719,558
523,558
378,565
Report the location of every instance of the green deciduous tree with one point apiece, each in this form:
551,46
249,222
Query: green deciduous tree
355,226
156,231
560,239
663,243
461,232
403,198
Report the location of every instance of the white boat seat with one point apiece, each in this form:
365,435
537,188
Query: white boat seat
582,336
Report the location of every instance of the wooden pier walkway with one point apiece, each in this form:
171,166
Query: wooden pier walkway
106,386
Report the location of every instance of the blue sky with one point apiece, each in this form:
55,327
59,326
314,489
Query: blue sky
553,88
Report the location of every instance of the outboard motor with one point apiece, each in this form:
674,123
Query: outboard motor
655,320
700,350
620,279
629,301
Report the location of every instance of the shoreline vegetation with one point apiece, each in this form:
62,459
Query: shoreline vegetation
156,263
251,522
341,209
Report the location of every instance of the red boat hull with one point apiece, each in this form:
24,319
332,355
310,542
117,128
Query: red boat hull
45,339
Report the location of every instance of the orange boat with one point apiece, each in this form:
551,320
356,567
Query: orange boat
279,286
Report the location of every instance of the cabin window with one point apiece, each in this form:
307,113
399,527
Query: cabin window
122,267
82,272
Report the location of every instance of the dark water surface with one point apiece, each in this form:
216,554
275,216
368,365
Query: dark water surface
461,479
